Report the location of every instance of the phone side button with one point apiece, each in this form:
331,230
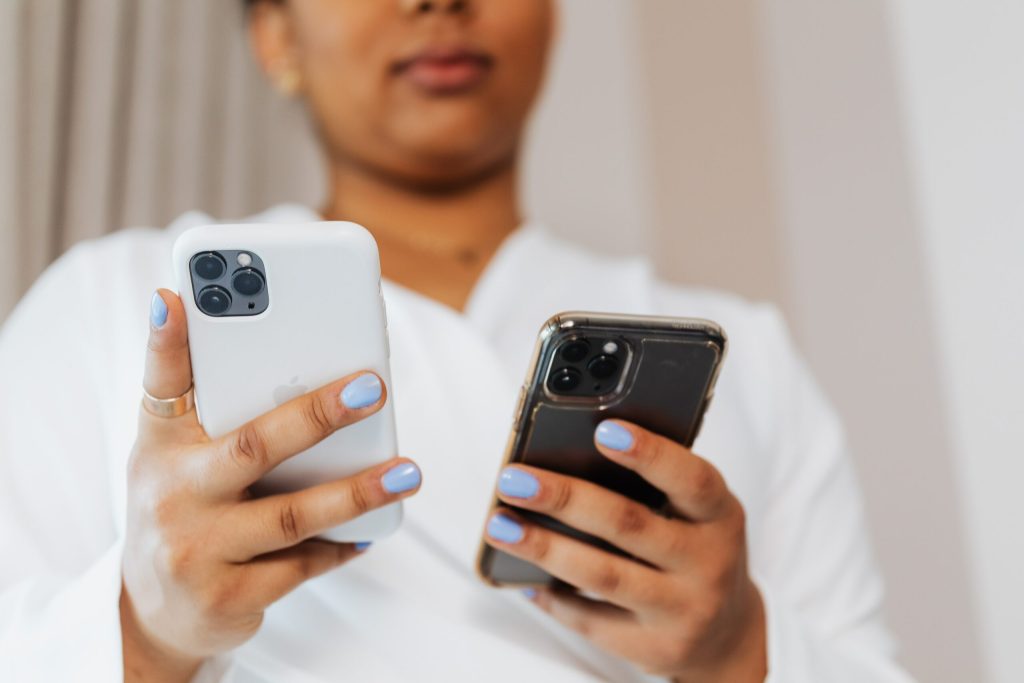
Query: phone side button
519,408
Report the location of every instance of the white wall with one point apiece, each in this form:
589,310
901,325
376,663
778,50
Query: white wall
962,81
857,295
587,164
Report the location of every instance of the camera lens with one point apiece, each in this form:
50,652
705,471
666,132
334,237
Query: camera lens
603,367
214,301
209,266
247,282
575,351
564,380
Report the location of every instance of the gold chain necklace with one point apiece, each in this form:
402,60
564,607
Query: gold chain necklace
416,242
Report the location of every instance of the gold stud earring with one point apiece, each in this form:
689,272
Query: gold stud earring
287,80
416,6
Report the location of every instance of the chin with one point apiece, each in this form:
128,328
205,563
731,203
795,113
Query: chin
453,156
450,128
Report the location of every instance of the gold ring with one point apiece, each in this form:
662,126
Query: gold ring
168,407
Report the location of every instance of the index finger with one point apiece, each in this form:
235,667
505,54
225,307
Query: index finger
255,448
695,488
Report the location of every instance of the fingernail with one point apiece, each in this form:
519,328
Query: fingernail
363,391
401,478
363,545
614,436
504,529
530,593
517,483
157,311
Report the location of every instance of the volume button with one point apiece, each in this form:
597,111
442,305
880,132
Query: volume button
384,314
387,330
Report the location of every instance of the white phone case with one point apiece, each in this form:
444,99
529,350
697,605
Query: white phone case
325,319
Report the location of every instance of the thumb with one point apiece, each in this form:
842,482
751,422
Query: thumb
168,367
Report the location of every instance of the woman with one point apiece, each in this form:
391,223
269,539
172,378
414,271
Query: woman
173,572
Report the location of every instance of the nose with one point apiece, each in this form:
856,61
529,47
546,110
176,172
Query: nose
437,6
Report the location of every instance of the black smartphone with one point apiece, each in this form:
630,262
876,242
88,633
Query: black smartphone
657,372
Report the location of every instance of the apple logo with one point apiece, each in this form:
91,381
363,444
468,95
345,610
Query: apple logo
287,392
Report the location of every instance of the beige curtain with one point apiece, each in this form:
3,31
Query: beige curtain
128,112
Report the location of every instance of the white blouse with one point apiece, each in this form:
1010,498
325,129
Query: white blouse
411,609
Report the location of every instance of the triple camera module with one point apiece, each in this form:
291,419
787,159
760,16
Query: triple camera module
587,367
229,283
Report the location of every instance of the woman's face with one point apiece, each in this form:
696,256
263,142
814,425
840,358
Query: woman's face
428,92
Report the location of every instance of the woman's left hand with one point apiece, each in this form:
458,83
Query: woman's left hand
686,608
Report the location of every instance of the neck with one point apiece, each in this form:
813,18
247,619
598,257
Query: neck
436,241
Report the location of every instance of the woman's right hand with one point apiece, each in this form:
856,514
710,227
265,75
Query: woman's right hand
202,558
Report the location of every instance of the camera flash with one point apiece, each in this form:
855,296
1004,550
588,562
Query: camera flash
610,348
244,259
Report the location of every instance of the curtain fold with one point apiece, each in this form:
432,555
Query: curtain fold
118,113
10,242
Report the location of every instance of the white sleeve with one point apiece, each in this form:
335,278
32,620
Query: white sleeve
60,572
813,561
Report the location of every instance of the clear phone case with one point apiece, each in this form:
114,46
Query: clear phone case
670,366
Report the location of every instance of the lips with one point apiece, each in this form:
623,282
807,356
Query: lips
445,70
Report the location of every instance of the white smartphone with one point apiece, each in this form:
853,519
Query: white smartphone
274,311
